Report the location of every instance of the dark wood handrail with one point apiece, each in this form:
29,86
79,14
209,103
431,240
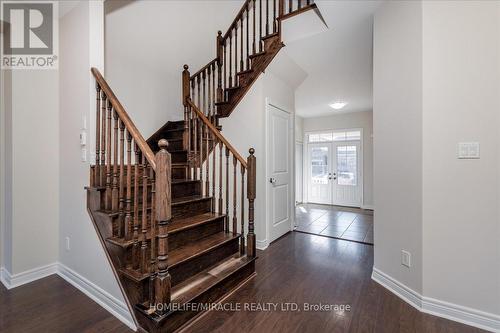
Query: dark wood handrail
237,18
217,133
204,68
129,124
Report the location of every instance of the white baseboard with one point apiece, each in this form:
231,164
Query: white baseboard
455,312
262,245
3,277
113,305
15,280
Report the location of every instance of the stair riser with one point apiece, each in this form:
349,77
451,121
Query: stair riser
179,173
176,125
173,134
189,209
187,269
179,157
175,145
185,189
177,319
185,237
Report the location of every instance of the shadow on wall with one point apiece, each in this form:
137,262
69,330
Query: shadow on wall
112,5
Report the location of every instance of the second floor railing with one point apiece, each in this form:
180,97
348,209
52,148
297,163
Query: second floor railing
256,21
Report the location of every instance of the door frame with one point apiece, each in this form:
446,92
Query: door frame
305,169
291,147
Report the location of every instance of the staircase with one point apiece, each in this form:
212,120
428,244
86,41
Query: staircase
170,210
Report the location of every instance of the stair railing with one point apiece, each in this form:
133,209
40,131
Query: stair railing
256,20
137,189
213,157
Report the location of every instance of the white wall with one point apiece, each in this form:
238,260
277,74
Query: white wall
2,161
35,170
29,170
31,200
436,83
77,100
148,42
245,128
6,171
461,220
299,159
299,129
397,131
362,120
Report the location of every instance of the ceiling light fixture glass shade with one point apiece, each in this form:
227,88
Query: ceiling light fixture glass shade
338,105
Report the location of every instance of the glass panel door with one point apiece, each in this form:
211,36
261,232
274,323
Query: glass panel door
347,171
347,183
319,173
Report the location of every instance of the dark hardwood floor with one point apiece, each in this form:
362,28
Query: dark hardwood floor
300,268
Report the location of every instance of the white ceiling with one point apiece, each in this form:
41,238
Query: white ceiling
338,62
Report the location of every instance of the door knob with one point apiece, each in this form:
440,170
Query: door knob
272,180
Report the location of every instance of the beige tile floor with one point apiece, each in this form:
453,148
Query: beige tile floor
352,224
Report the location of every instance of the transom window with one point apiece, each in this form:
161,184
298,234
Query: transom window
351,135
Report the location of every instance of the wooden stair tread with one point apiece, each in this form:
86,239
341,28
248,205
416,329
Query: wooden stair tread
180,181
187,252
174,130
258,54
196,285
190,198
246,71
274,34
175,226
113,213
236,87
193,221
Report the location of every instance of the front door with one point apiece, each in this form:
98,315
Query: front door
334,175
320,173
346,185
279,159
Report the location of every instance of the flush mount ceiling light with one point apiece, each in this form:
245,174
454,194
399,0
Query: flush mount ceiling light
338,105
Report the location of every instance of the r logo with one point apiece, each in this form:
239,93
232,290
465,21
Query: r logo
31,28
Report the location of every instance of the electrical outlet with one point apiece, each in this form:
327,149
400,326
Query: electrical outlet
468,150
405,258
68,247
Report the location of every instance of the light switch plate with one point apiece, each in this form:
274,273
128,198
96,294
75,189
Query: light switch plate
405,258
468,150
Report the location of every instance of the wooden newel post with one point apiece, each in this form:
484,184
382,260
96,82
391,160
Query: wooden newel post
163,216
186,95
185,85
219,65
251,189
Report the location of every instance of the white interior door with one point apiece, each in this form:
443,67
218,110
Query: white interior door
347,182
319,173
280,191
